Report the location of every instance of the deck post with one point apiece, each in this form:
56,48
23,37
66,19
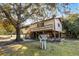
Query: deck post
36,35
59,37
54,35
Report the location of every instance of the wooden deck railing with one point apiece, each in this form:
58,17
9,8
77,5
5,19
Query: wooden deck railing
46,27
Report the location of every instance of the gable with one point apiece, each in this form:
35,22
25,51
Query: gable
58,25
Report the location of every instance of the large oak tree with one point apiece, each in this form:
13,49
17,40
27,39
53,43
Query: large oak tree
18,13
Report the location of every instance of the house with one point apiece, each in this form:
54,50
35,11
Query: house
51,27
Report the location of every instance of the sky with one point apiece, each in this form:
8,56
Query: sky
74,7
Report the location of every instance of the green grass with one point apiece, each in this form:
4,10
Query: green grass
64,48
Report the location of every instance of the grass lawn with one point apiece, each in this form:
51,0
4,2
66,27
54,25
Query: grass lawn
64,48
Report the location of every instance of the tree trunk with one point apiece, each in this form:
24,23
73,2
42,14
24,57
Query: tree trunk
18,37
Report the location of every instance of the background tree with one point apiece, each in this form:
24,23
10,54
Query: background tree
8,27
2,30
71,25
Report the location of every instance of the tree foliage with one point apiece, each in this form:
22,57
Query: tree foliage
2,30
8,26
71,25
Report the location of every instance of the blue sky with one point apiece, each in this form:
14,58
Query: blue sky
72,7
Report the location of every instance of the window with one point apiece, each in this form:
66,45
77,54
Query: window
58,25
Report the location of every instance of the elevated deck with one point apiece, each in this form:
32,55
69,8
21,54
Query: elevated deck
46,27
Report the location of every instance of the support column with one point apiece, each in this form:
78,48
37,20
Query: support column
54,35
59,37
36,35
43,32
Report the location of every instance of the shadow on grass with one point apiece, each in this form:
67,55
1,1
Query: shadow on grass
12,48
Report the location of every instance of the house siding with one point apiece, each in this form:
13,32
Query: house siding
33,26
49,22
